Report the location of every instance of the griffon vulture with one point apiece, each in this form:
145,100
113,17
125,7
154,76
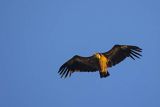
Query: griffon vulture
99,61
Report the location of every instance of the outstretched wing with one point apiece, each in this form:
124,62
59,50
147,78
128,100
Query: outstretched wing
78,63
119,52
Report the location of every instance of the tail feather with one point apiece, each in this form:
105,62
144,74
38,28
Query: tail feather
104,74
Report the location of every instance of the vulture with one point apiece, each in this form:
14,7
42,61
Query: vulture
99,61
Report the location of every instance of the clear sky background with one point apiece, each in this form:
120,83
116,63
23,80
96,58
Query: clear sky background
38,36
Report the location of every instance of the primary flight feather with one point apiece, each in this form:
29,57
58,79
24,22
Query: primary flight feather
99,61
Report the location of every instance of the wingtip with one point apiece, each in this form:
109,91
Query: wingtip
135,52
136,48
132,57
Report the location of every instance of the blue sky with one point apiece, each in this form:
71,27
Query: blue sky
37,37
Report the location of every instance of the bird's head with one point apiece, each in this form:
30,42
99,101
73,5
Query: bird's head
97,55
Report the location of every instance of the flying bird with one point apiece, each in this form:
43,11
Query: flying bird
99,61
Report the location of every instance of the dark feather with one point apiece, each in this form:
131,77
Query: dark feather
119,52
78,63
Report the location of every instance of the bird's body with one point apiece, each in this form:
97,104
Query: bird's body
99,61
103,62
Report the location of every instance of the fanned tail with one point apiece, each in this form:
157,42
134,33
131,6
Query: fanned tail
104,74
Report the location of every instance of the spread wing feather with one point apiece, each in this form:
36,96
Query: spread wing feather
119,52
78,63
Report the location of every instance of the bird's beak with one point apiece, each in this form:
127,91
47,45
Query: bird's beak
97,55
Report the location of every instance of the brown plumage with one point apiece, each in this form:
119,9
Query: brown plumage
99,61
